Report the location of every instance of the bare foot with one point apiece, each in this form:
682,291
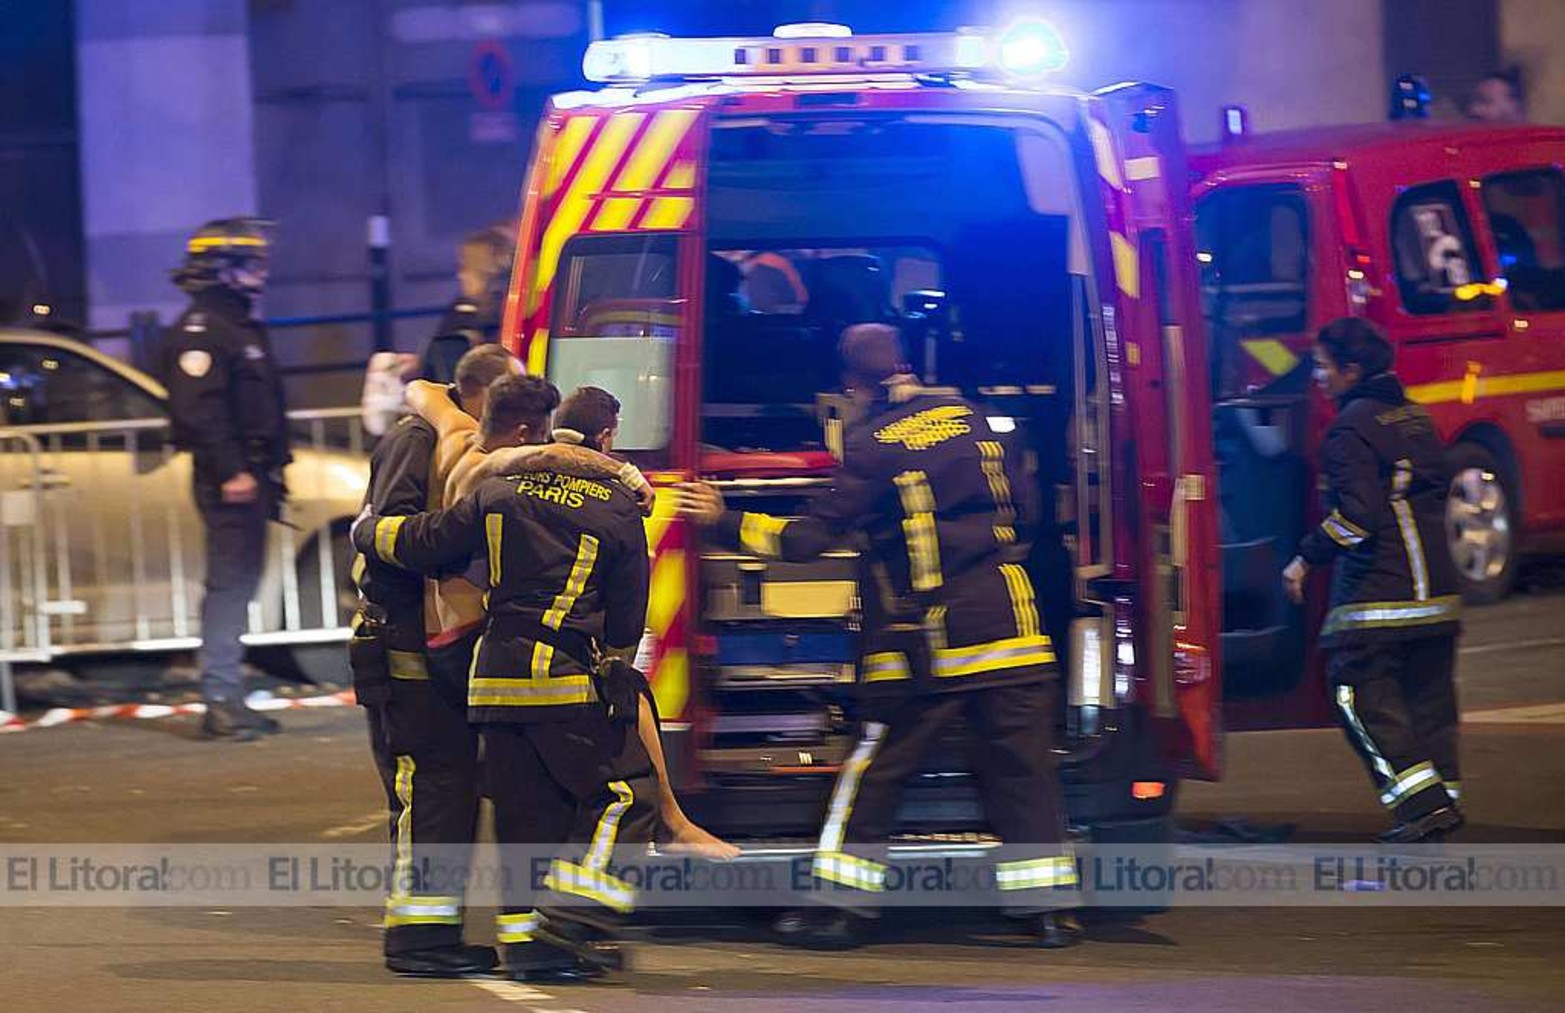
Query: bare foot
689,839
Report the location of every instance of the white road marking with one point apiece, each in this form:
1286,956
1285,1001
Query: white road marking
354,827
512,991
1515,645
1536,714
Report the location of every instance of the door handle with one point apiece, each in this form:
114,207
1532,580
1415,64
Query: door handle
47,478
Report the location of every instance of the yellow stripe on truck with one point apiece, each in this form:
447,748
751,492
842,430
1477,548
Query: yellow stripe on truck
1446,391
1274,356
576,202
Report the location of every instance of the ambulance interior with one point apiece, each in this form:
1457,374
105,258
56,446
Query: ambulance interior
964,234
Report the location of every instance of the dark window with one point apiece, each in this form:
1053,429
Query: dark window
1254,253
616,315
1527,216
1432,247
42,385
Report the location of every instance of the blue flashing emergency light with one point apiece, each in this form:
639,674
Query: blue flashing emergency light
1410,98
1026,49
1029,48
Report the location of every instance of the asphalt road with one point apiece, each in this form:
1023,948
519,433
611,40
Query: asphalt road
153,781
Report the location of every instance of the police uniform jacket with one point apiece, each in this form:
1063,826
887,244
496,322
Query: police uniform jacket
1384,471
947,508
225,395
400,468
568,571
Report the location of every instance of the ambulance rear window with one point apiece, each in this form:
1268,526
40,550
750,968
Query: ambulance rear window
615,317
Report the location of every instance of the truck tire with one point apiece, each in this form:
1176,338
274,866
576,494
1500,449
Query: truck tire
1481,524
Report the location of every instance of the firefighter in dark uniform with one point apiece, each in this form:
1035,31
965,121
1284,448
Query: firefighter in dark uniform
951,631
567,575
226,408
1395,609
424,748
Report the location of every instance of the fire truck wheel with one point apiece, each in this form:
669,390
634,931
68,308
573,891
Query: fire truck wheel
1480,524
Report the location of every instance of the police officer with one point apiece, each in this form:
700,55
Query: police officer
1395,609
226,407
424,749
567,573
951,631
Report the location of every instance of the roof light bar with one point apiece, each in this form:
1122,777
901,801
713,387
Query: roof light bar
1027,48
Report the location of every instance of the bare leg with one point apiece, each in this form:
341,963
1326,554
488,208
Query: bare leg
684,836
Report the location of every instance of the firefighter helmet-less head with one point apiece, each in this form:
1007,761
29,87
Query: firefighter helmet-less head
232,253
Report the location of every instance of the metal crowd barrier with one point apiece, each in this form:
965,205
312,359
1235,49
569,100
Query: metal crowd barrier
100,541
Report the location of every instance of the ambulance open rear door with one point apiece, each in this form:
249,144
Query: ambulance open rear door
1141,165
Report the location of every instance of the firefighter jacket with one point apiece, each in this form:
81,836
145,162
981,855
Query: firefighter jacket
400,468
1384,472
225,395
567,573
947,508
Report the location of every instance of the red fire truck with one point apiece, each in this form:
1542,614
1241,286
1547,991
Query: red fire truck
1452,238
696,234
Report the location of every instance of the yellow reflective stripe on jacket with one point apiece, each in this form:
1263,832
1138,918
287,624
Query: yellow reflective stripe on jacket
1024,602
556,691
885,666
386,537
1410,782
494,532
1376,615
1342,531
849,870
542,660
1405,523
918,529
994,656
1036,873
591,884
761,534
408,666
575,584
517,928
992,461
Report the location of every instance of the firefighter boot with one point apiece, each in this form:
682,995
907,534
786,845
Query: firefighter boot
457,961
1427,829
815,929
1055,930
589,944
227,720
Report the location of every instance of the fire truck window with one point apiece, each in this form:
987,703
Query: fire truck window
615,318
1437,262
1526,212
1253,248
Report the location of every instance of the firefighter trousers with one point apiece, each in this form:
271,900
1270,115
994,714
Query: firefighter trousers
566,795
1010,730
1396,701
427,756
